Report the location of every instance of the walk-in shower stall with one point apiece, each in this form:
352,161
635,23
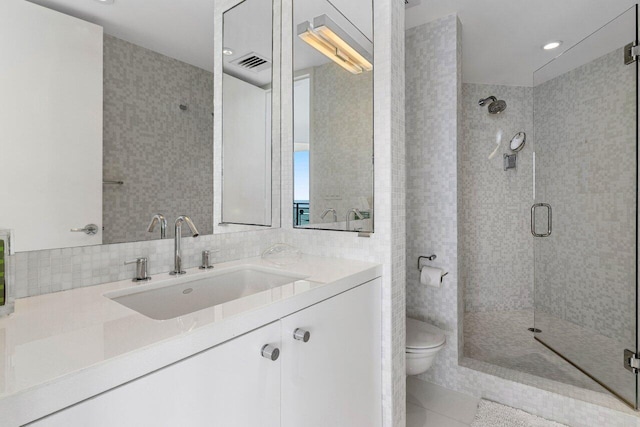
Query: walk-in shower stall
549,246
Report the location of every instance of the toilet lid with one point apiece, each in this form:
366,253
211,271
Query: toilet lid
423,335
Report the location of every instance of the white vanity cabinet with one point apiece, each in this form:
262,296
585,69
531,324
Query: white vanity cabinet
228,385
332,379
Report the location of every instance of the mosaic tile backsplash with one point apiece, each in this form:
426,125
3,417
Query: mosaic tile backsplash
163,154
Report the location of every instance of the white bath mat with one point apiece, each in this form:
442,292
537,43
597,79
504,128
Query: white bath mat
491,414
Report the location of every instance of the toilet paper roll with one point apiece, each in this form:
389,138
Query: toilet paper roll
431,276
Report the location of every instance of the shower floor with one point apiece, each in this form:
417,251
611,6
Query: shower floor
502,339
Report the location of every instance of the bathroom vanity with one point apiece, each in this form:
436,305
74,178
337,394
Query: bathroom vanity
248,342
72,358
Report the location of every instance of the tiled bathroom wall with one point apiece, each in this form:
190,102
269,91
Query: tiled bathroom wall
163,154
340,149
434,107
495,245
431,136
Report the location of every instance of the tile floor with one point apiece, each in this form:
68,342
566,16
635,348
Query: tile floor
502,339
498,343
429,405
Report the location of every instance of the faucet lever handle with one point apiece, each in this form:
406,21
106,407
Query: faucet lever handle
142,273
206,259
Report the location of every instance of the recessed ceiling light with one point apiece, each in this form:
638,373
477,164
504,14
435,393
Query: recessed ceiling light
552,45
227,51
105,1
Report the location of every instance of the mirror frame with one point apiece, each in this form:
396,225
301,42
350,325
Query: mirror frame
218,226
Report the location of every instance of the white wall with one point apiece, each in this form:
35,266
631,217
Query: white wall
246,153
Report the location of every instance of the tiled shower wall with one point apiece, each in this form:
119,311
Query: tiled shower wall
586,170
163,154
340,148
434,105
495,245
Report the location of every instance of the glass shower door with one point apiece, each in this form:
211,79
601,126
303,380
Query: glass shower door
584,216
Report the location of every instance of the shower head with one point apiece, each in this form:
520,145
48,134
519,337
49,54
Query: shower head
496,106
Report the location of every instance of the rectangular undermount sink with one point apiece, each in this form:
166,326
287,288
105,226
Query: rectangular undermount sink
185,295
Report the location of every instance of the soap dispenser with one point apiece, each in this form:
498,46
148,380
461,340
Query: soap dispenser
6,290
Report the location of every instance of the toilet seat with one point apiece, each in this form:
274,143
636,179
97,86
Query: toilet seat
422,337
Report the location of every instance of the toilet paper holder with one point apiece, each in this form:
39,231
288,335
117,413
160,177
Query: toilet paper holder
428,258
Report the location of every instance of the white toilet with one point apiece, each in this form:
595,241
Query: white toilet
424,341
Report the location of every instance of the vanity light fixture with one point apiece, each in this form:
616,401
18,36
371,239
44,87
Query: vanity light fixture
333,42
552,45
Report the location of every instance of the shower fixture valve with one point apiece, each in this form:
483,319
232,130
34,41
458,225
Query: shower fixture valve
510,161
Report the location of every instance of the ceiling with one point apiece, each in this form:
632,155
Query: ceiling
502,39
184,29
180,29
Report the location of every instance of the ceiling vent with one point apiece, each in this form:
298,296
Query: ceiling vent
252,62
411,3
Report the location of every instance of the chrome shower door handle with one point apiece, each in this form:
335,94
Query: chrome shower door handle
533,219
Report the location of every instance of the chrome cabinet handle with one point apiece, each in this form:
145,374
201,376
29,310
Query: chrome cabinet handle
270,352
90,229
301,335
533,220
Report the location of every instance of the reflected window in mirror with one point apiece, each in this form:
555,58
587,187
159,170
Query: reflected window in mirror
333,115
247,113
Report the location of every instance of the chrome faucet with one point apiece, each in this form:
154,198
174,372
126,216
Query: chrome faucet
158,219
358,215
177,268
326,212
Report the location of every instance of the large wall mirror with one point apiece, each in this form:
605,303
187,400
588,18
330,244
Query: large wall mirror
333,114
111,119
247,99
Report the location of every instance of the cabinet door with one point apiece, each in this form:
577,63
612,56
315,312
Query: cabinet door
228,385
334,378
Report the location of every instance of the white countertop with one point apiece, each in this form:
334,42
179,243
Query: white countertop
61,348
